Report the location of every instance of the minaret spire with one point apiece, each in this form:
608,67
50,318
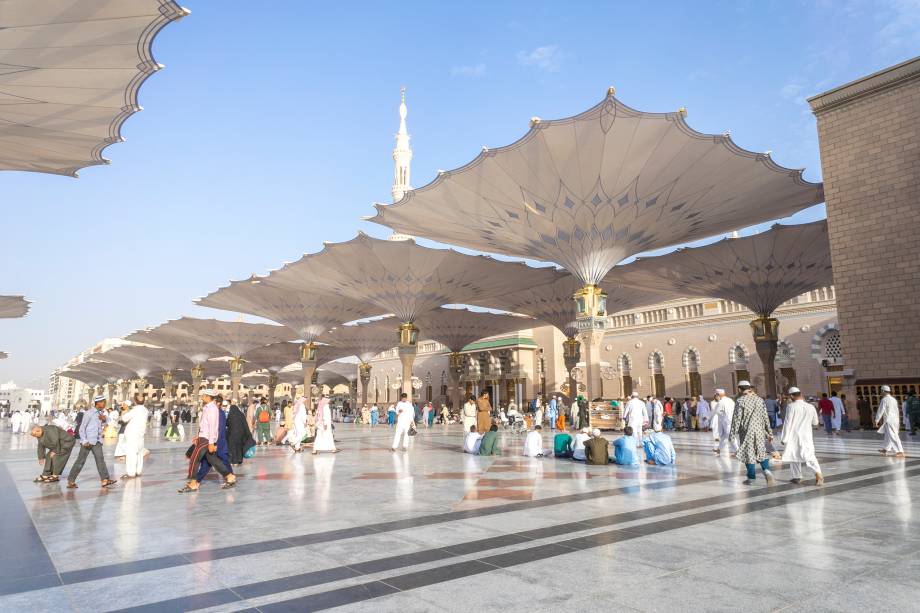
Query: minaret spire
402,153
402,159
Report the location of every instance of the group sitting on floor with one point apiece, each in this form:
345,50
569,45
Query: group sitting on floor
587,446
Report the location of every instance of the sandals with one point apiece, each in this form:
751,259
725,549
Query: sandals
186,489
226,485
108,483
46,479
71,485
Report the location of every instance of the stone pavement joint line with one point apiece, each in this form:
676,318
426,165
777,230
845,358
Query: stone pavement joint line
460,569
374,589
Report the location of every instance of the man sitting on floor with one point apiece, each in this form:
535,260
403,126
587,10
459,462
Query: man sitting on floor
578,447
533,444
624,449
596,449
562,445
659,449
488,445
472,441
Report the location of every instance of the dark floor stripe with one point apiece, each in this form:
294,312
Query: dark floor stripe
374,589
129,568
313,578
23,557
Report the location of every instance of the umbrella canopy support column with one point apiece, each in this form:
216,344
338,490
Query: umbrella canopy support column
408,348
124,387
766,339
141,385
455,369
571,354
364,373
592,323
272,384
167,389
109,393
308,363
236,375
197,376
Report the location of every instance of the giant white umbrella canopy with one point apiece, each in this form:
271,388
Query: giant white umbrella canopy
169,337
144,359
364,341
405,279
761,272
457,328
234,337
70,76
589,191
12,307
308,312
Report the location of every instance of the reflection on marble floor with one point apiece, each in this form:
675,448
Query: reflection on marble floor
433,529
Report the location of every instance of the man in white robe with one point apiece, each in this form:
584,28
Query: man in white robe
722,423
468,413
578,444
405,419
888,418
472,441
657,415
299,431
635,414
798,443
703,412
837,417
533,443
324,440
135,419
16,421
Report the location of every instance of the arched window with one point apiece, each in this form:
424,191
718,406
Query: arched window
692,366
832,350
624,363
656,365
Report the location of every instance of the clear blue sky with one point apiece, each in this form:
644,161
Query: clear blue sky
271,129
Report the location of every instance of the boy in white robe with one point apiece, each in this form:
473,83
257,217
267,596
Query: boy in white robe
798,443
722,423
533,443
135,419
472,441
888,417
635,415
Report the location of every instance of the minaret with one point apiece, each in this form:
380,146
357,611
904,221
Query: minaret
402,158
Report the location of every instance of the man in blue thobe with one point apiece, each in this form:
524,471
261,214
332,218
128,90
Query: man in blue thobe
659,449
624,449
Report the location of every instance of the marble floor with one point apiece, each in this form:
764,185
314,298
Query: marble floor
433,529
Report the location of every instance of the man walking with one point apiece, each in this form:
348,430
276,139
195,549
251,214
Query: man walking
839,411
751,426
135,419
54,447
772,409
827,413
204,446
91,442
798,444
263,423
888,423
721,423
405,418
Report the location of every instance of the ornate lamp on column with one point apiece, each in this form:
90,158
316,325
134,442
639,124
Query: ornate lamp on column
592,322
364,373
308,363
408,348
571,354
766,339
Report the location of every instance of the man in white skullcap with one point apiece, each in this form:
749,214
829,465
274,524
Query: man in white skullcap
750,426
721,423
635,415
91,442
798,444
889,419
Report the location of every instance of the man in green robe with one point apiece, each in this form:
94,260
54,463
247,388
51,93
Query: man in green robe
54,447
489,443
562,445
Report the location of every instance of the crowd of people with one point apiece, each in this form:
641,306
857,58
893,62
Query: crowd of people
742,426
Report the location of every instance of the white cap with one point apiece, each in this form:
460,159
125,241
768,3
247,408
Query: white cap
208,392
744,384
595,432
98,399
126,403
635,394
720,390
794,390
885,388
